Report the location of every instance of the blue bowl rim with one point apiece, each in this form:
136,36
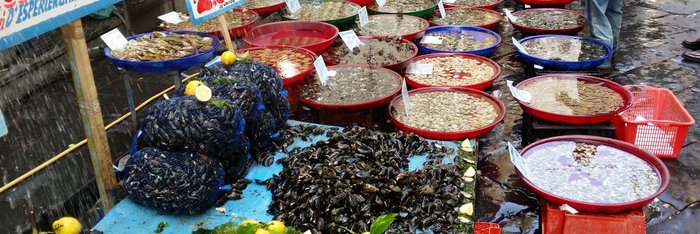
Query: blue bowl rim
215,44
608,50
461,28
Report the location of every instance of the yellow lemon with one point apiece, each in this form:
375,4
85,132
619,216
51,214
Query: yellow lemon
202,93
247,221
191,86
365,233
228,58
66,225
276,227
261,231
467,209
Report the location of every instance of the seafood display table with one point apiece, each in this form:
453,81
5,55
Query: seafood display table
130,217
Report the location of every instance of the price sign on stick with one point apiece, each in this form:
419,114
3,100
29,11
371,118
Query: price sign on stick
350,38
518,160
518,45
381,3
420,68
404,97
521,95
3,126
321,70
114,39
441,7
171,17
362,14
510,16
293,6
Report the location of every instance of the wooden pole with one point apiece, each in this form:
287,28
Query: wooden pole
74,38
224,31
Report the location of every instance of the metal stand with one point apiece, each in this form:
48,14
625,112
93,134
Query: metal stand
129,95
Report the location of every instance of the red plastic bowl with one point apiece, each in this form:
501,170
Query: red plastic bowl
410,36
545,3
479,86
594,207
361,2
491,6
540,31
288,81
356,106
234,31
627,99
310,35
396,66
487,25
450,135
269,9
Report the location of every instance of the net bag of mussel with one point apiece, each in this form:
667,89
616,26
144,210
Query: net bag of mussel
214,128
266,80
173,182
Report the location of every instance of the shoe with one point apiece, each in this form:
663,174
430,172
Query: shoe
693,56
692,44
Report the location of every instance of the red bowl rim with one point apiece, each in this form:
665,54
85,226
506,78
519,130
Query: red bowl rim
516,24
256,17
310,54
625,93
652,160
490,6
426,25
248,37
495,65
500,16
404,41
501,109
393,93
269,9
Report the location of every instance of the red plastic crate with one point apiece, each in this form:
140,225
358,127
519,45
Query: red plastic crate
555,221
657,122
486,228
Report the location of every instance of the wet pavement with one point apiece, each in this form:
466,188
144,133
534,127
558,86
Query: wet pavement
47,121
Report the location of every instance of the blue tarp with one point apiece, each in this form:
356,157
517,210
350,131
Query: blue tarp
129,217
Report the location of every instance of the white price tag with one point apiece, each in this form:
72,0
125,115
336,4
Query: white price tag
431,40
381,3
321,70
521,95
404,97
171,17
420,68
350,38
293,6
510,15
519,46
538,67
114,39
518,160
441,7
449,1
3,125
364,19
527,6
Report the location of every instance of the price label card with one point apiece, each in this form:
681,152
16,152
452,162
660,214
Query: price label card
3,125
510,15
431,40
521,95
420,68
114,39
518,160
381,3
449,1
293,6
362,14
527,6
350,38
518,45
441,7
321,70
171,17
404,97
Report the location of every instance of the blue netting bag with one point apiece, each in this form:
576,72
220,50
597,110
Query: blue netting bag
173,182
260,132
215,128
240,92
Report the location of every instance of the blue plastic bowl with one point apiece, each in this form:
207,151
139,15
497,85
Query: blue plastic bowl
565,65
179,64
479,34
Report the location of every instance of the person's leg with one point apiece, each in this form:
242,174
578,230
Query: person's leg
614,15
599,25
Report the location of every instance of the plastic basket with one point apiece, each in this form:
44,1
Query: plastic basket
486,25
269,8
565,65
289,81
477,33
236,31
556,221
489,6
545,3
395,17
486,228
656,122
480,86
337,22
332,59
310,35
539,31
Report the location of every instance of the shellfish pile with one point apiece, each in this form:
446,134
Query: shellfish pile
159,46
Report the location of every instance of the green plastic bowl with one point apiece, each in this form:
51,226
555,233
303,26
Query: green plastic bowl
420,13
336,22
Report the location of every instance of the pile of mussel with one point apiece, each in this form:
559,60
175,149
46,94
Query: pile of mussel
359,174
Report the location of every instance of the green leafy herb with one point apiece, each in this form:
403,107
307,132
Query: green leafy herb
219,103
381,223
248,228
226,228
291,230
161,227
